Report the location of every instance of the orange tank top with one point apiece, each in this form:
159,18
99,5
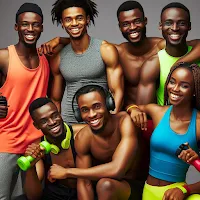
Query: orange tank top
21,87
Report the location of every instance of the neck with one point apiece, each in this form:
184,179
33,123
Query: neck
80,45
25,50
176,50
182,113
141,48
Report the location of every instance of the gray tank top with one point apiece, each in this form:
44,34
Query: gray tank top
79,70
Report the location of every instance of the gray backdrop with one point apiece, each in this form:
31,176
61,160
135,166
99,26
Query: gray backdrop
106,25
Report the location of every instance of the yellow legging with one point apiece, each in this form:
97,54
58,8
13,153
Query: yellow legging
156,192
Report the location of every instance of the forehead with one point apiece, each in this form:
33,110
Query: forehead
29,17
73,11
45,110
130,14
90,98
183,74
174,14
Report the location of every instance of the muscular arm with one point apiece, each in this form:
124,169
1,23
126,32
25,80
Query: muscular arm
150,72
33,179
121,159
114,73
57,85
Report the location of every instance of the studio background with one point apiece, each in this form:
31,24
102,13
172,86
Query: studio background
106,26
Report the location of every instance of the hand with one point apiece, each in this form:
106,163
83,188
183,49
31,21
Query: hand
57,172
139,118
3,111
188,155
173,194
36,151
48,47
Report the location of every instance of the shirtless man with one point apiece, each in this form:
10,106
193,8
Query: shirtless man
106,149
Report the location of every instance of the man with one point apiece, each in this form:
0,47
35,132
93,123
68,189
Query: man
106,149
46,118
23,77
85,60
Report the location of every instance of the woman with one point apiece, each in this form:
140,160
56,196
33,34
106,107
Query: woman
175,125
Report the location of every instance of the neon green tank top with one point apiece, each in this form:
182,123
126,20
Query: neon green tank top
166,62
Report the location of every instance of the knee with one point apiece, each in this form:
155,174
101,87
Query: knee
105,185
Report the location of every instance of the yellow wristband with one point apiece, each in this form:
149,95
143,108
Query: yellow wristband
182,189
131,106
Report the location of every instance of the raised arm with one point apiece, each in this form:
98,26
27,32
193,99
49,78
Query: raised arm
57,83
114,72
150,72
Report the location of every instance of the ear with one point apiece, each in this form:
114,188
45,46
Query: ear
88,20
145,21
36,126
160,26
189,26
62,24
16,27
42,28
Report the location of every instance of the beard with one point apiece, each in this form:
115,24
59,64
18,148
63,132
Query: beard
143,35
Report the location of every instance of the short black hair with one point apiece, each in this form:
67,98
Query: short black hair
37,103
29,7
60,5
129,5
90,88
176,5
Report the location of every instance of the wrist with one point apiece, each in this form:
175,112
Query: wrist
188,189
130,107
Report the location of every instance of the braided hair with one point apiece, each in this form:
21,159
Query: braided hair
60,5
195,69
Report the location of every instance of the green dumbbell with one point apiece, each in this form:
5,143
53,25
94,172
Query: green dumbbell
25,162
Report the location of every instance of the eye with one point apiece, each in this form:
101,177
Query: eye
43,121
55,115
185,86
24,24
36,24
182,23
125,24
97,106
138,21
68,20
84,110
172,82
80,18
168,23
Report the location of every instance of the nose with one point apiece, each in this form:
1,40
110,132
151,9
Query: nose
51,121
175,27
30,27
92,113
132,26
176,88
74,22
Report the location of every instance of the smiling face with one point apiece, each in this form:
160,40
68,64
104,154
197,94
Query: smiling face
93,110
175,25
132,24
48,119
75,21
29,27
181,87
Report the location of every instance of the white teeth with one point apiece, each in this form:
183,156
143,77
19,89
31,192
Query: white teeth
175,36
94,121
134,35
75,30
174,97
30,37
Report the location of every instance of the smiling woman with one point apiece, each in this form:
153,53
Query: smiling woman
178,123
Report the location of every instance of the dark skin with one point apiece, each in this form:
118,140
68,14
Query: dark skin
134,53
49,121
29,27
110,142
175,26
180,91
75,21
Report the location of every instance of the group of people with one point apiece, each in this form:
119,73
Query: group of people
98,104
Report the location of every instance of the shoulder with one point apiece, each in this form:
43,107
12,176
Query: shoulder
4,57
107,46
198,125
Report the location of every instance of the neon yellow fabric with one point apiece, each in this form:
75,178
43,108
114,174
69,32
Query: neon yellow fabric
166,62
156,192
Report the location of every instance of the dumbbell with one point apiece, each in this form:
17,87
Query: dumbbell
3,101
195,163
24,162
